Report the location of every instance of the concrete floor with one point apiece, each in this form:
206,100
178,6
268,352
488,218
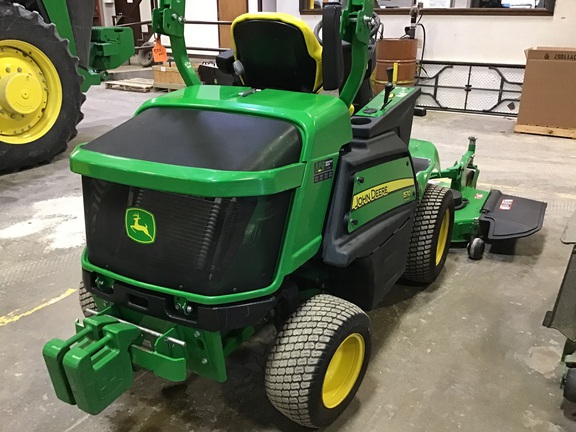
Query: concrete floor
466,353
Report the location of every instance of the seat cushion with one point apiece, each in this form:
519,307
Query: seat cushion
278,52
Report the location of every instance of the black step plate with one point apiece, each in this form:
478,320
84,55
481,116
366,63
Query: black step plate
512,217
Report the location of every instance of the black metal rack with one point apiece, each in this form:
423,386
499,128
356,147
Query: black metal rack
471,87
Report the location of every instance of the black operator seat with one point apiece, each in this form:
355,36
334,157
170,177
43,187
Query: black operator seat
277,51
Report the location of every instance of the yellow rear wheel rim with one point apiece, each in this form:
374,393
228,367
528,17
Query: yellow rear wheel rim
343,370
30,92
443,237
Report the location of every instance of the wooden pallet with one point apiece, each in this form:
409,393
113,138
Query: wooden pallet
141,85
549,131
170,87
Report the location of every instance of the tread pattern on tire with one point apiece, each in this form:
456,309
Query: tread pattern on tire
86,299
293,363
15,157
420,264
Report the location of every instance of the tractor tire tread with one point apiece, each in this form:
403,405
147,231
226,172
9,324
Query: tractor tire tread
302,345
420,253
17,157
86,299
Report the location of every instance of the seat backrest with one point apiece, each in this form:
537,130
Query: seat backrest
277,51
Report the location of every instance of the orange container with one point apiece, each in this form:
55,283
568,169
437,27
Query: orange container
396,49
399,54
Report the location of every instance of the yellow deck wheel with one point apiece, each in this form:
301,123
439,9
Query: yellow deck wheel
343,370
30,92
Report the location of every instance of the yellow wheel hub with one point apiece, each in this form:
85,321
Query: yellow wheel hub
30,92
443,237
20,94
343,370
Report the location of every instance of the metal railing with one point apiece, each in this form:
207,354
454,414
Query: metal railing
188,22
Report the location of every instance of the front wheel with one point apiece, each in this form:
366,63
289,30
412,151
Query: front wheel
86,300
319,360
430,239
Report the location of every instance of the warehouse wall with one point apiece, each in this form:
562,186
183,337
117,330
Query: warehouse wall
483,39
107,10
200,10
202,35
205,36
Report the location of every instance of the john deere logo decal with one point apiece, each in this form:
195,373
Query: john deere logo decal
140,225
380,191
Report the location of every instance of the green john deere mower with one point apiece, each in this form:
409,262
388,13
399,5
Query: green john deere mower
218,209
49,55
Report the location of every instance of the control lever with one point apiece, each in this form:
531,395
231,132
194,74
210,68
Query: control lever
389,87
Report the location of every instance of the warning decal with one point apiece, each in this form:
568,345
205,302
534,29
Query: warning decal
506,204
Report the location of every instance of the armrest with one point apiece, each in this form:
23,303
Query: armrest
225,61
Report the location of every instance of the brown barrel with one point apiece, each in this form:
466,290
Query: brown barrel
401,52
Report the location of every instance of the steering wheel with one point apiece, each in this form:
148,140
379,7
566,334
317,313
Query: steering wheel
375,24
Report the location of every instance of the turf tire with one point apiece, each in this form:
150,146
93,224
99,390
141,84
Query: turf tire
299,359
86,300
421,264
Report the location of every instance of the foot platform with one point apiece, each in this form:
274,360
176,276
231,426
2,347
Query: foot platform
510,217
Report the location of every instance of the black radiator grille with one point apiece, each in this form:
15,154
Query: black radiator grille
192,223
203,245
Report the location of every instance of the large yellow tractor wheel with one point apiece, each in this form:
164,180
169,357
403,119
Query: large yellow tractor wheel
40,90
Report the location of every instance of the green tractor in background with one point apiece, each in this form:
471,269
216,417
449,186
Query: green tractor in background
219,209
49,55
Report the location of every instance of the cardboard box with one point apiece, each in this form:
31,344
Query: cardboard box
549,91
